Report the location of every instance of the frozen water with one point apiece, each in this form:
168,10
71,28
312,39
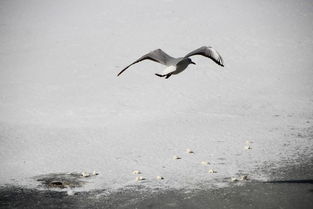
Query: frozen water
62,108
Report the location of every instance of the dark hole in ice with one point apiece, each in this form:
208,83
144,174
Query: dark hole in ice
61,180
56,183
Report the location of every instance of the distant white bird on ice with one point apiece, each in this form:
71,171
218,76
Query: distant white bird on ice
178,65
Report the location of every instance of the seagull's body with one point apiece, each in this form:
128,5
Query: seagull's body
177,65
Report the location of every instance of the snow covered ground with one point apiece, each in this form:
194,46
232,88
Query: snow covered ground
62,108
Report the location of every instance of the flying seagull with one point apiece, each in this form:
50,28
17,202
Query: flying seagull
177,65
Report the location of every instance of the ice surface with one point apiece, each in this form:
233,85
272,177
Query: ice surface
62,108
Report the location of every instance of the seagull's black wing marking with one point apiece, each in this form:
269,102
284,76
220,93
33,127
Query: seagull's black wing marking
157,56
209,52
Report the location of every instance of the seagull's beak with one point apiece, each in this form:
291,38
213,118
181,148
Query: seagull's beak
192,62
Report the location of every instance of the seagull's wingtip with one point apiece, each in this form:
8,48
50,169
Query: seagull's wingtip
120,72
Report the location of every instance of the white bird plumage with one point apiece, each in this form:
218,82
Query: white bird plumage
177,65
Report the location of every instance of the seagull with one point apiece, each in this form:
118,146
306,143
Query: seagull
177,65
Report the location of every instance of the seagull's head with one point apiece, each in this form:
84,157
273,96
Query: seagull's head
190,61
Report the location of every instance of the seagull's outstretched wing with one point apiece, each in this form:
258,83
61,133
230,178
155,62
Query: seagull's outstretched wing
157,56
209,52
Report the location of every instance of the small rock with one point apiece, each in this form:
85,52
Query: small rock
175,157
243,178
136,172
205,163
85,174
159,177
248,147
70,192
234,179
212,171
140,178
95,173
189,151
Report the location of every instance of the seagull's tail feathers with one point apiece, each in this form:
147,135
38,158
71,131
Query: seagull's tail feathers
159,75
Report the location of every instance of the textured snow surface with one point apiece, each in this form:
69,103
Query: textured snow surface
62,108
